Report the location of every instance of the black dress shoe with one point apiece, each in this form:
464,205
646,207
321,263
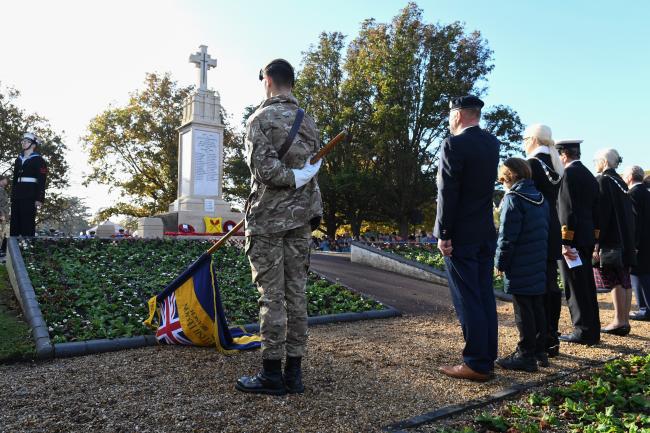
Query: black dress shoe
553,351
640,316
542,359
572,338
621,331
516,361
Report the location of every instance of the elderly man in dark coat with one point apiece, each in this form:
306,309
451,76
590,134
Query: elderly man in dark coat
466,234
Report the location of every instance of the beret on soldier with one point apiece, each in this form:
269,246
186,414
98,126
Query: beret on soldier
567,144
468,101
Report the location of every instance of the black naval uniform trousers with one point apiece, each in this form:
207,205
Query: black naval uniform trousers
578,214
468,170
547,181
27,188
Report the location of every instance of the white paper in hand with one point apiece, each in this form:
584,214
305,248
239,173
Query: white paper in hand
573,263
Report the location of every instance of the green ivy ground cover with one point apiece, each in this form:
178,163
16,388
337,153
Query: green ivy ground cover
614,400
96,289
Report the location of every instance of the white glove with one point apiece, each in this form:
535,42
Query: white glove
304,175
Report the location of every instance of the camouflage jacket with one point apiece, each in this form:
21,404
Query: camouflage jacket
4,203
275,204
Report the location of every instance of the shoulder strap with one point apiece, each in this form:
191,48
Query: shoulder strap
300,114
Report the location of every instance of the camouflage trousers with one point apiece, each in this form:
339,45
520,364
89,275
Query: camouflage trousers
279,264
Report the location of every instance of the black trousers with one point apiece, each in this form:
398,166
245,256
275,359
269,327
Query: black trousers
552,304
580,292
23,217
531,323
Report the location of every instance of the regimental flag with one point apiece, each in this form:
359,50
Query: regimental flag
190,312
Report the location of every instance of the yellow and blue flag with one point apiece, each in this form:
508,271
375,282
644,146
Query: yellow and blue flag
190,312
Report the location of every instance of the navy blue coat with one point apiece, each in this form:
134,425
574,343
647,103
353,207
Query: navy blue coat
466,176
523,239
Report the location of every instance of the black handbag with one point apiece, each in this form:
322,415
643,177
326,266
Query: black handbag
611,257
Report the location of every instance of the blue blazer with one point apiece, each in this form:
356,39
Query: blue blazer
466,176
523,240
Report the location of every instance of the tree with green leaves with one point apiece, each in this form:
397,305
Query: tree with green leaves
346,179
237,176
134,149
14,121
66,214
391,91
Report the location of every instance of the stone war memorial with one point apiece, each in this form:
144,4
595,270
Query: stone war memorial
200,202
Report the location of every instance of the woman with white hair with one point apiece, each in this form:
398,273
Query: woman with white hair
615,251
547,170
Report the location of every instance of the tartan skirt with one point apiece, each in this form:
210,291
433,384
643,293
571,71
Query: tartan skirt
609,277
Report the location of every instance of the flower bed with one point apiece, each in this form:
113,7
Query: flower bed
614,400
427,254
98,289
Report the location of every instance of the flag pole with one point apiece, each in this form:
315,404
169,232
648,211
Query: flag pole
321,153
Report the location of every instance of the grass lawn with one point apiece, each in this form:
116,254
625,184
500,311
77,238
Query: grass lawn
15,341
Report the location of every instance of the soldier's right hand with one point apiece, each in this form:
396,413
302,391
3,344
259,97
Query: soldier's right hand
305,174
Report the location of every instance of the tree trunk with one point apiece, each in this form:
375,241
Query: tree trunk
404,227
355,224
330,224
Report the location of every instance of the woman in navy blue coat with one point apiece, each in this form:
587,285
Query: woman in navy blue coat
521,256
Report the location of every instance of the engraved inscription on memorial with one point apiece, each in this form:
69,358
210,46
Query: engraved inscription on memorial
206,162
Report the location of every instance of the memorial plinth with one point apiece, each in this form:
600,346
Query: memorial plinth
200,158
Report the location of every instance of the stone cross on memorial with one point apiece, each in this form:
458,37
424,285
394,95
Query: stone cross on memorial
203,61
200,157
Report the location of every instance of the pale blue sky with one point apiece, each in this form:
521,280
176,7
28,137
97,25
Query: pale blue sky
579,66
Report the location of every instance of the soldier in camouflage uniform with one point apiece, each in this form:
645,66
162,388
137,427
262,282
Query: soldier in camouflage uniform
284,199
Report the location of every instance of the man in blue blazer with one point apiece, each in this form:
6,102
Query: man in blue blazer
466,233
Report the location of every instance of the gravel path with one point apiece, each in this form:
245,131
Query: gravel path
359,376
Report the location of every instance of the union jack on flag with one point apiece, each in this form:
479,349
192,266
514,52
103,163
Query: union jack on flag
170,330
190,312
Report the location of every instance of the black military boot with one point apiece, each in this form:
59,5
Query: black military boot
267,381
293,376
517,361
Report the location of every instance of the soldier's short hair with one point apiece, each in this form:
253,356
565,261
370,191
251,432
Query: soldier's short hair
514,169
280,71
